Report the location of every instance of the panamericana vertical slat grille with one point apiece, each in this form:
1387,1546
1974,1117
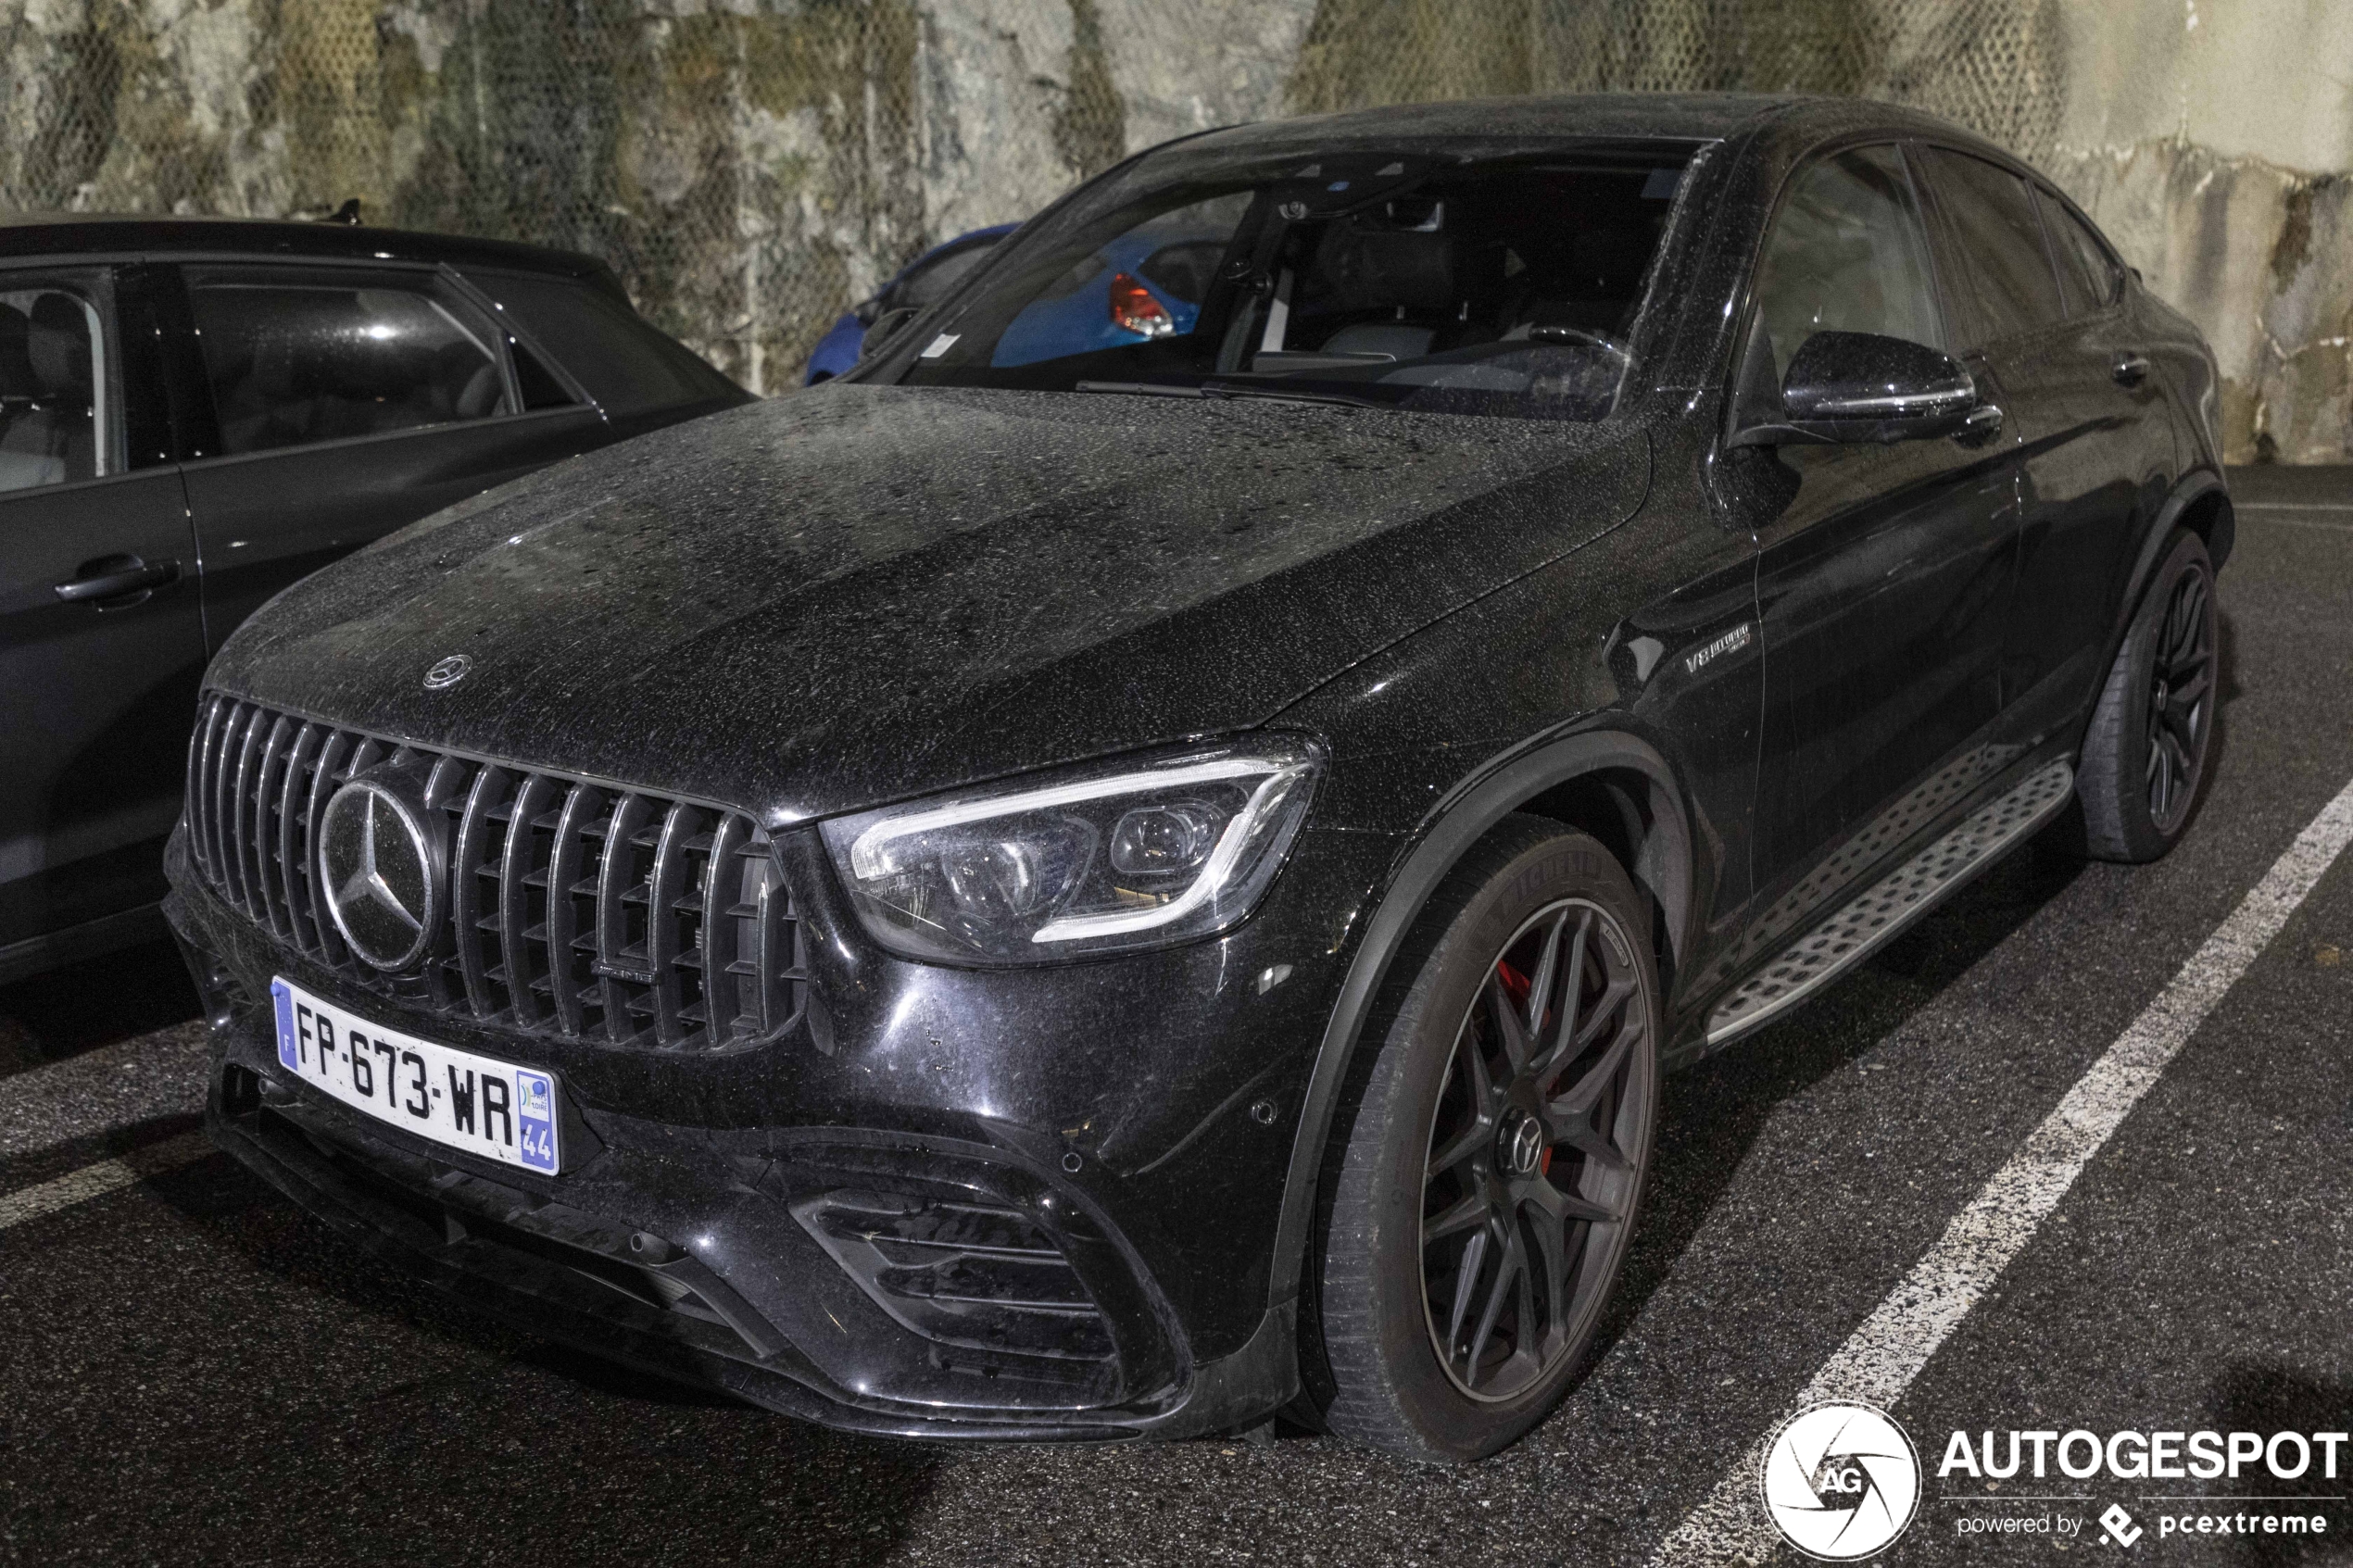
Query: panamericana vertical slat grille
573,908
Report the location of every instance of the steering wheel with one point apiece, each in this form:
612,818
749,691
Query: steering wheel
1602,340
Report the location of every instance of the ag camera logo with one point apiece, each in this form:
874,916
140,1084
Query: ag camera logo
1840,1481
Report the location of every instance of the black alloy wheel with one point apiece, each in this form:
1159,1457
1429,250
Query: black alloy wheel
2144,752
1529,1178
2181,695
1487,1154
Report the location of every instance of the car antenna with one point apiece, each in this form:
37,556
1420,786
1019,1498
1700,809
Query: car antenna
347,213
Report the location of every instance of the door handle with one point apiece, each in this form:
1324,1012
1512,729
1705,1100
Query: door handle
111,577
1983,423
2130,369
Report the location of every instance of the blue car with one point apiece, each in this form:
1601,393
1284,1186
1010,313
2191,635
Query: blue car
1149,282
918,283
1146,283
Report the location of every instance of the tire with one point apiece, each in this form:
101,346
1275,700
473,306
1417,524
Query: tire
2145,754
1427,1180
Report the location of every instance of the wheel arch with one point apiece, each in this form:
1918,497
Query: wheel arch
1609,784
2200,502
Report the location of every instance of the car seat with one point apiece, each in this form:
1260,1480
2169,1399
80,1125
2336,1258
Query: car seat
1406,274
51,429
466,382
1592,288
24,461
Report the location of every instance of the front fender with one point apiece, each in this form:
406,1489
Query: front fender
1466,814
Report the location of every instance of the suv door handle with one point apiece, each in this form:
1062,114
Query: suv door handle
111,577
1985,422
2130,369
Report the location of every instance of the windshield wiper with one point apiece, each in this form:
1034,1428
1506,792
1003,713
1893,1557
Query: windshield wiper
1142,388
1276,395
1226,389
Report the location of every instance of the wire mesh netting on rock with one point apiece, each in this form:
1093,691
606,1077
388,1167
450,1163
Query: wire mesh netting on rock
750,168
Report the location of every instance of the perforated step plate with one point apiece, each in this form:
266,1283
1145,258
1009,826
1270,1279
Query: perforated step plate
1890,904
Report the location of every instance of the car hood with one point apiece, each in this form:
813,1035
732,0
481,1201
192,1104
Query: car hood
855,595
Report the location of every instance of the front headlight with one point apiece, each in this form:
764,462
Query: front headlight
1139,852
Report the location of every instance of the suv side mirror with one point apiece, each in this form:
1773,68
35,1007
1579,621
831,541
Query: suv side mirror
884,327
1860,386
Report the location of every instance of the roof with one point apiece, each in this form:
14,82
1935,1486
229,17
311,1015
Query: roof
56,234
1498,124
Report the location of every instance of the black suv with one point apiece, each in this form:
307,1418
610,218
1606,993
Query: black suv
1113,882
196,412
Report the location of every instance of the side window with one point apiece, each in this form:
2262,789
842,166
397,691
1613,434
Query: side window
929,284
59,397
1994,225
2091,275
616,355
1848,253
302,356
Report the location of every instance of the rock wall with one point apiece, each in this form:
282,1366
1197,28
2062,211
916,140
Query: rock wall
751,166
2212,140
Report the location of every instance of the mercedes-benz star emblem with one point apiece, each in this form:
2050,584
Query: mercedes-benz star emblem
378,872
447,672
1520,1149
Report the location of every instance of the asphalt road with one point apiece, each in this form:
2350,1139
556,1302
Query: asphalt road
189,1370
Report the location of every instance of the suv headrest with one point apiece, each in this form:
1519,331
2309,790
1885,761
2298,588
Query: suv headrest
58,345
1607,262
1372,266
16,361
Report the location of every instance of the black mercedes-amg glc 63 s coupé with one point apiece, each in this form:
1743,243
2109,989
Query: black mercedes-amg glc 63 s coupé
1101,879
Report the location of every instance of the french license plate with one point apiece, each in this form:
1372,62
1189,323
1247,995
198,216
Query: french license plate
489,1108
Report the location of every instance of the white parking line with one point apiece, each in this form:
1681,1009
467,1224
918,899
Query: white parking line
1880,1359
2313,524
91,1181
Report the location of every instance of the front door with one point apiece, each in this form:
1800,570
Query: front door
1886,571
101,637
2096,444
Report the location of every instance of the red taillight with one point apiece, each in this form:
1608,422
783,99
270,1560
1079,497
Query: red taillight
1134,309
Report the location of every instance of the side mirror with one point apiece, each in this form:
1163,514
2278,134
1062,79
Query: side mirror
883,328
1862,388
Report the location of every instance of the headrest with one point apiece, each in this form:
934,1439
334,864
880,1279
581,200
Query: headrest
16,364
1607,262
58,345
1379,267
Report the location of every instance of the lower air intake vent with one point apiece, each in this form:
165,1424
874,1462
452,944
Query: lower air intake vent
968,1276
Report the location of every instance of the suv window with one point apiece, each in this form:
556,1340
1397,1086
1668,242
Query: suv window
1848,253
297,357
2090,273
57,398
2000,241
1506,285
616,355
929,284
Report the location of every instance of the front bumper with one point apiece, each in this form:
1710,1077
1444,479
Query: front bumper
1032,1204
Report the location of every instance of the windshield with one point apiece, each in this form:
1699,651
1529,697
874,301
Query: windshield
1504,286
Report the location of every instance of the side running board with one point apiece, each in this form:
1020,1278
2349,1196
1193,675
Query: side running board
1864,925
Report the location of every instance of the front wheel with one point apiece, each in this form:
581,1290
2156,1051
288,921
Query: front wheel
1485,1176
2145,754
